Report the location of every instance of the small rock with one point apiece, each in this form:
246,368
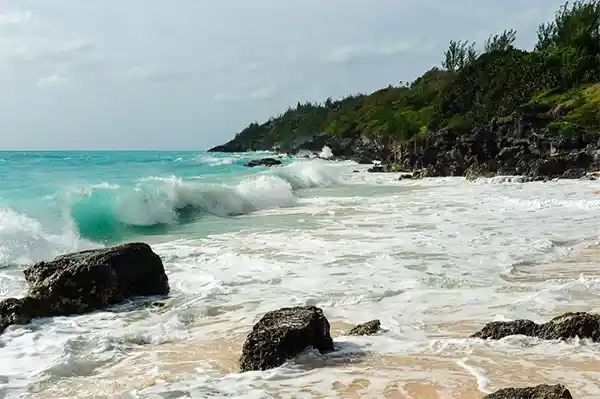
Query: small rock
570,325
405,176
263,162
378,169
282,334
539,392
424,173
368,328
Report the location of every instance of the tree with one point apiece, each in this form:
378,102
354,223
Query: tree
576,26
458,55
501,41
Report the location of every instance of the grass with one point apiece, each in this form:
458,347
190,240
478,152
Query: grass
577,111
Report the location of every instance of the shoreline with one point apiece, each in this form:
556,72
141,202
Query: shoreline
446,364
421,296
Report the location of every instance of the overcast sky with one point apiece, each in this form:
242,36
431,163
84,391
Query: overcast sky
189,74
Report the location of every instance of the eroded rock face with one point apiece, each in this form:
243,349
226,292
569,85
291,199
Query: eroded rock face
570,325
86,281
539,392
282,334
368,328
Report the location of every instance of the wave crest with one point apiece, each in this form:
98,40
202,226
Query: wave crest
24,240
107,212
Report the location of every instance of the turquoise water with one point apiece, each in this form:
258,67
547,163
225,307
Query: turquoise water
108,197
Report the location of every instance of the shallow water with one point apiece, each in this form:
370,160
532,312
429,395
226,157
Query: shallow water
434,260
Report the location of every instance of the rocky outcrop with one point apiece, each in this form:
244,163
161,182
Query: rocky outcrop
282,334
518,145
86,281
263,162
368,328
539,392
570,325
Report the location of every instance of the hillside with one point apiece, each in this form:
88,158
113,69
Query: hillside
471,90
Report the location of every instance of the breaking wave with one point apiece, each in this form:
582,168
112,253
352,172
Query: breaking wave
111,212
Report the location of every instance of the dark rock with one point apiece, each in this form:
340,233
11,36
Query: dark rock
551,167
539,392
570,325
405,176
500,329
378,169
263,162
476,171
574,174
19,311
368,328
86,281
282,334
425,172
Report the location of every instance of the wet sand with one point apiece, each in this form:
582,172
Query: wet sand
387,376
419,377
431,375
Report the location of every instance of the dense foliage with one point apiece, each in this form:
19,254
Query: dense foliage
469,89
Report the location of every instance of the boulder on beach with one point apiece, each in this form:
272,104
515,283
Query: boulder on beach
85,281
263,162
538,392
368,328
570,325
282,334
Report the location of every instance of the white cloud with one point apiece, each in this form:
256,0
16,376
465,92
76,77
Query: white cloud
71,51
255,94
14,17
292,55
155,74
352,52
254,66
10,48
51,81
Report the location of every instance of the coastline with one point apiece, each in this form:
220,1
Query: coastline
517,147
423,351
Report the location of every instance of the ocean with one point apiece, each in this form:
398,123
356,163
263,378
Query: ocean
433,259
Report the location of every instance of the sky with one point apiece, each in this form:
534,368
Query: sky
190,74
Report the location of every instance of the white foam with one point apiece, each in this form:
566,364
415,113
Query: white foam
23,240
326,153
482,380
216,161
429,258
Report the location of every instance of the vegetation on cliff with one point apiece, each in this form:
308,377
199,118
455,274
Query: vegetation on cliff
469,89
